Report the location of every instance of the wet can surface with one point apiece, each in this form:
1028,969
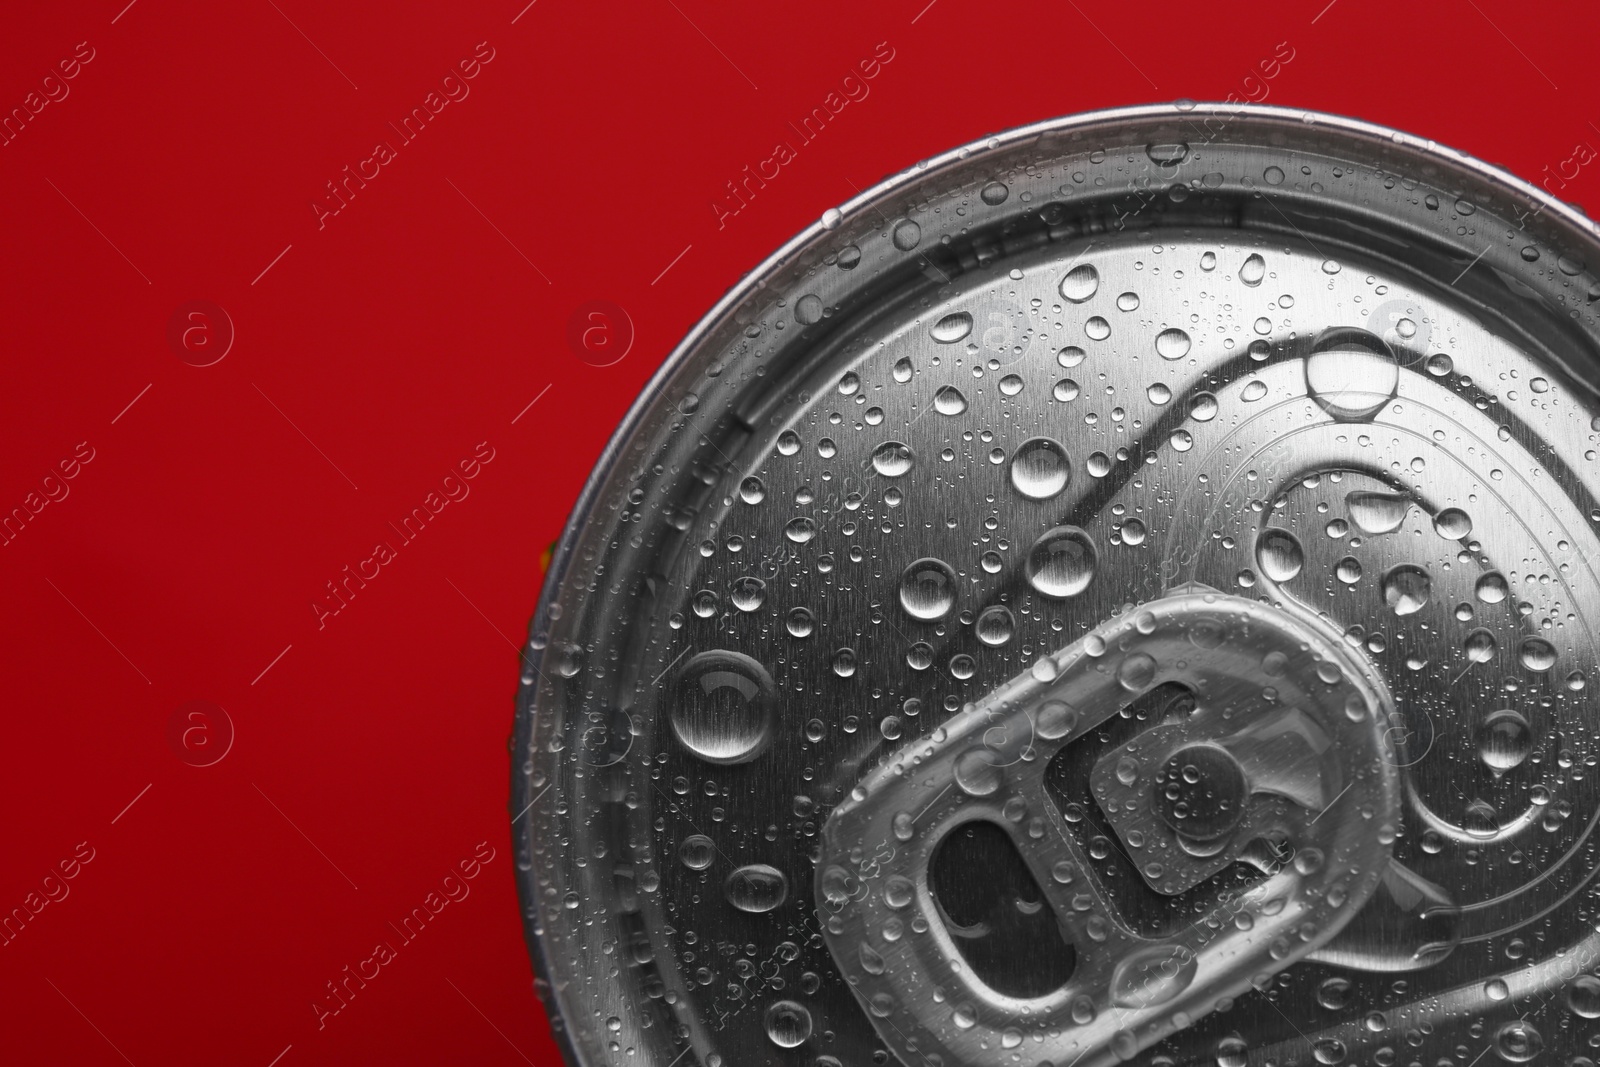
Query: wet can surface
1124,591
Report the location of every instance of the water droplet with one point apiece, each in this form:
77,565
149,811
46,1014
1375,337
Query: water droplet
722,712
1377,513
903,370
1182,440
1138,670
976,772
1583,996
1537,654
1504,740
1252,270
788,443
1133,532
1492,588
752,490
1232,1052
1097,328
871,959
807,310
844,662
1055,720
1172,343
919,657
1452,524
928,589
756,888
1040,469
906,235
952,328
800,529
1253,390
1440,365
1279,555
748,593
1518,1042
697,851
1098,464
1061,563
1351,373
1348,570
892,459
1147,977
1167,155
949,401
995,625
994,193
1158,393
789,1023
1273,175
1204,407
800,622
1080,283
1128,301
1406,589
1066,389
1479,646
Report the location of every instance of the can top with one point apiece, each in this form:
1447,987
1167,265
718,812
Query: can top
1080,579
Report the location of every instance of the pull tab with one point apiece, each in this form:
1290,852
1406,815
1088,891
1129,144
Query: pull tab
1284,762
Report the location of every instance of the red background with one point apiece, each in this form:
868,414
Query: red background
375,353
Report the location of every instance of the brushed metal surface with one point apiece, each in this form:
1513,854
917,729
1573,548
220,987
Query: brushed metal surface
1340,377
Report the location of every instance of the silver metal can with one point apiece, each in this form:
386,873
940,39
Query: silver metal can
1122,591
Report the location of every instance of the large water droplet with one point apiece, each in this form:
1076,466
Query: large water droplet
1518,1041
1232,1052
697,851
952,328
1279,555
1351,373
1504,740
1492,588
1172,343
1040,469
1252,270
1583,996
1452,523
1061,563
995,625
788,1024
1377,513
892,459
903,370
1167,155
756,887
748,593
1479,646
949,401
1537,654
1151,976
1406,589
928,589
906,235
976,772
723,708
1080,283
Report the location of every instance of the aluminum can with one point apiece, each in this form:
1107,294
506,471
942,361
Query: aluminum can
1122,591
